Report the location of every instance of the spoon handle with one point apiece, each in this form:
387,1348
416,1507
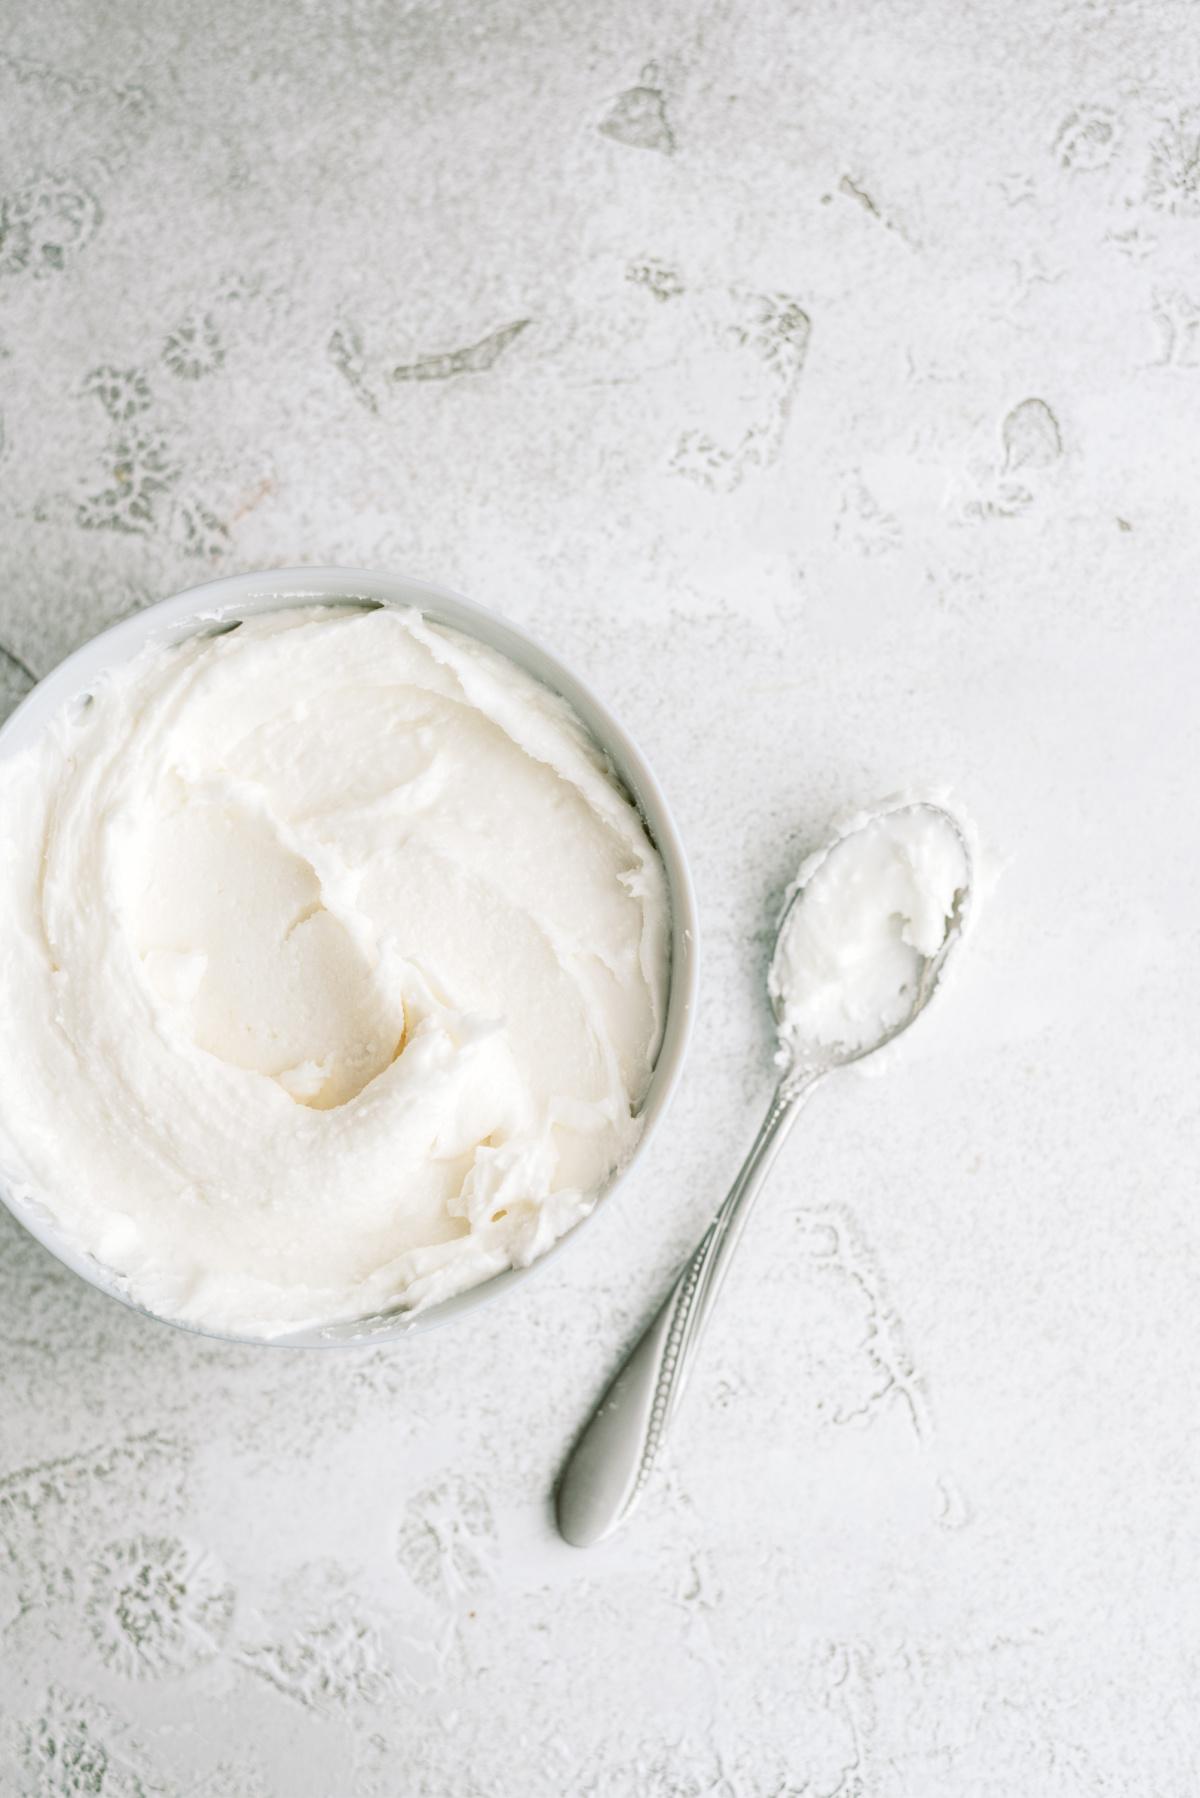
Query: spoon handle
614,1457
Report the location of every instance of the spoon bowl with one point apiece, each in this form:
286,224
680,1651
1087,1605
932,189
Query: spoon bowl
828,1056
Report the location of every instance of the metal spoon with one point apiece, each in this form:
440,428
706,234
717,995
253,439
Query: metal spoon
614,1457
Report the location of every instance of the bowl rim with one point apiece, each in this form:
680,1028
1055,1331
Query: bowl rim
184,614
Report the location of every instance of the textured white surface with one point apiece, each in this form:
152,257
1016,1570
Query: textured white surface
823,383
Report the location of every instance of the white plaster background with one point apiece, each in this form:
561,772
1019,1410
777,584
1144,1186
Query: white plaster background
849,440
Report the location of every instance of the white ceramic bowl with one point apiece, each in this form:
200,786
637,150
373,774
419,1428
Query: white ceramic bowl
239,596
